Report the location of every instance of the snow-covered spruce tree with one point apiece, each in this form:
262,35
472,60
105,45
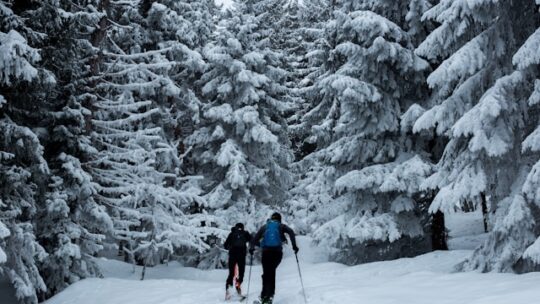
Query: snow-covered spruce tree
299,29
241,145
531,146
472,48
148,208
281,27
61,228
505,129
67,222
192,24
136,167
71,227
291,27
501,132
480,104
315,180
22,166
301,36
369,75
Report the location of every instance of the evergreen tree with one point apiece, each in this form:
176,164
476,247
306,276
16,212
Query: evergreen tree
136,167
22,165
509,132
240,145
71,227
369,76
481,87
301,31
188,24
108,109
69,224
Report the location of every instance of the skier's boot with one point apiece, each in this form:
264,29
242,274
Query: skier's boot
238,286
227,293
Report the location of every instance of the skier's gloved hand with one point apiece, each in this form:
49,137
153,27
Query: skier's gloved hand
251,251
295,249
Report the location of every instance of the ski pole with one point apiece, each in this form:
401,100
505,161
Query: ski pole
301,280
249,276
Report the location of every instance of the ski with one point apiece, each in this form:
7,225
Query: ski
264,302
234,298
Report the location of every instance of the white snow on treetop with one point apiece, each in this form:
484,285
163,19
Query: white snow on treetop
483,120
528,54
409,118
370,25
467,184
16,58
533,252
397,176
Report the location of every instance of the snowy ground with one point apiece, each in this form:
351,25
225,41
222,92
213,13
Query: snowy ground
425,279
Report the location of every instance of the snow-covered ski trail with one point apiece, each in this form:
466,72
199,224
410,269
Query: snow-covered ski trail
421,280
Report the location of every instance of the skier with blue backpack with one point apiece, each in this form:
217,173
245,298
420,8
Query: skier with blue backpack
270,238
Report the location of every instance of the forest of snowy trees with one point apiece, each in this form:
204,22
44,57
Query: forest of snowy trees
148,127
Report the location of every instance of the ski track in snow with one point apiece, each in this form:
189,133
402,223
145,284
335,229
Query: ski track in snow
426,279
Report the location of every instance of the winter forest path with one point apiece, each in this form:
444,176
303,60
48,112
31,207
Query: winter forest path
425,279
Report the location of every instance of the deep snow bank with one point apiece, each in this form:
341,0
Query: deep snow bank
426,279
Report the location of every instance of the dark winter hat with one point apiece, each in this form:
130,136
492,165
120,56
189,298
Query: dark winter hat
276,216
239,226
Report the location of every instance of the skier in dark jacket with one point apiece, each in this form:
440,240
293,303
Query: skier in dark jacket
271,238
236,244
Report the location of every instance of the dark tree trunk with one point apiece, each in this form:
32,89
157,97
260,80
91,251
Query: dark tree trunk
438,232
143,272
120,248
484,211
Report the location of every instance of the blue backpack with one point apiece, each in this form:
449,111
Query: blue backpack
272,235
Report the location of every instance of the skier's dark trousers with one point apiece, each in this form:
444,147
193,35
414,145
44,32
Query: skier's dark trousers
236,244
271,238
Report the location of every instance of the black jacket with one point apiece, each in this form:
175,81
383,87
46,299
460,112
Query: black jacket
236,241
283,229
